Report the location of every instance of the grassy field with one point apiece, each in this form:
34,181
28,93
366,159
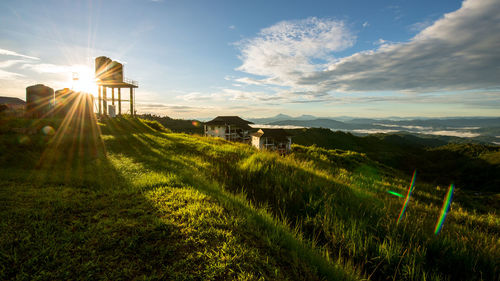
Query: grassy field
127,199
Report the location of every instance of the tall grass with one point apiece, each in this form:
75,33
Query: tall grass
311,201
337,200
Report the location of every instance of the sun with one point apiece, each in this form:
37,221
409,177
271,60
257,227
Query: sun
83,80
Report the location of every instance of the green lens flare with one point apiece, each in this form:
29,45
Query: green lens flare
444,209
407,199
394,193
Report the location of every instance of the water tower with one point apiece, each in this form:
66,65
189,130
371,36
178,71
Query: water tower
109,74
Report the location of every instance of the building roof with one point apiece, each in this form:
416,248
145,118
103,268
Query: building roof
12,101
278,134
229,120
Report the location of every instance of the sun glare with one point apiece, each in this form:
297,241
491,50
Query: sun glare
82,79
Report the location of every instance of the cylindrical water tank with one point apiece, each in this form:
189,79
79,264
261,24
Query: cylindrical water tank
101,67
39,101
63,101
115,72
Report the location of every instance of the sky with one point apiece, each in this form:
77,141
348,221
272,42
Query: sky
200,59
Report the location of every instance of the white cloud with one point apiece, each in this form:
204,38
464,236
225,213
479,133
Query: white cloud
15,54
455,53
419,26
250,81
201,97
9,75
382,42
232,27
9,63
286,50
60,69
47,68
366,24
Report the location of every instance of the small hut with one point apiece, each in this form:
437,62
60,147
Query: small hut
231,128
272,139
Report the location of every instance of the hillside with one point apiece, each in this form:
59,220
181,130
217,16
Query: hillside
121,200
472,167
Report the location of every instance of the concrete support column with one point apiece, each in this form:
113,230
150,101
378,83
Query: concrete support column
99,99
105,100
131,101
119,101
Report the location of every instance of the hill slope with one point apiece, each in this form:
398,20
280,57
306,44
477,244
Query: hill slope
123,201
469,166
149,204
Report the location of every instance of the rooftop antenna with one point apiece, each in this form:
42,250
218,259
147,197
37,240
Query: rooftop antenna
76,77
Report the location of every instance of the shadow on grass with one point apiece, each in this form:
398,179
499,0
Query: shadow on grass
67,212
82,215
290,193
324,211
190,160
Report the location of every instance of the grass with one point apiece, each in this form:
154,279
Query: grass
120,218
150,204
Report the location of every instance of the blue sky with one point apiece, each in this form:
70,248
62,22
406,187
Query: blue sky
260,58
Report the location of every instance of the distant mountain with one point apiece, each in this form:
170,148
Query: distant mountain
279,117
377,123
363,121
480,129
318,123
305,117
448,122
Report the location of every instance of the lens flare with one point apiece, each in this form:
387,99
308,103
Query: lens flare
394,193
48,130
24,140
407,199
444,209
195,123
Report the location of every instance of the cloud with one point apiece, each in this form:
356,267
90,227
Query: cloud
165,106
199,96
383,42
229,95
9,63
9,75
161,108
366,24
232,27
419,26
457,52
48,68
15,54
287,49
396,10
250,81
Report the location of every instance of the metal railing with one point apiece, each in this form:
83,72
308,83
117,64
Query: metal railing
130,81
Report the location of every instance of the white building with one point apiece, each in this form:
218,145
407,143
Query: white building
272,139
231,128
